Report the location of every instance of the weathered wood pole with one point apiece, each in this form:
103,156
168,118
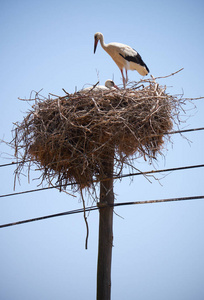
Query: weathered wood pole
105,231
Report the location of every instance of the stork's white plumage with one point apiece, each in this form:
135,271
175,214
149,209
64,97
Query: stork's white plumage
124,56
109,85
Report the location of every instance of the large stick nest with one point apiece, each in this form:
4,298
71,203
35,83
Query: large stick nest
69,137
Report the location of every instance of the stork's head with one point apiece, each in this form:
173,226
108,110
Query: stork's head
97,36
111,84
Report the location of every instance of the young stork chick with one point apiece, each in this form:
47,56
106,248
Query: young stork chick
124,56
109,85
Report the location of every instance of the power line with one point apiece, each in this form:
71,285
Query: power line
159,201
161,171
71,212
81,210
171,132
115,177
29,191
13,163
9,164
186,130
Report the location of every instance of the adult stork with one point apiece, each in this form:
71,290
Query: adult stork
124,56
109,85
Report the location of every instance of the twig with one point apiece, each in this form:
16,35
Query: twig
65,92
169,75
85,219
93,87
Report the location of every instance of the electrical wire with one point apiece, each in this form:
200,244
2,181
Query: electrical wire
186,130
82,210
115,177
13,163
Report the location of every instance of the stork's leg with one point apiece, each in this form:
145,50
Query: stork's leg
124,80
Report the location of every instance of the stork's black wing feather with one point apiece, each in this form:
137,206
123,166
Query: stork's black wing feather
136,59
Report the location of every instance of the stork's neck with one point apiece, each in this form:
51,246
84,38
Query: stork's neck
103,45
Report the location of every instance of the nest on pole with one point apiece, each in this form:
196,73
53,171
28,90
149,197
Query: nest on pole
69,137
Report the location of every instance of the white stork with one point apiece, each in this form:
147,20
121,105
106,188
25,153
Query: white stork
124,56
109,85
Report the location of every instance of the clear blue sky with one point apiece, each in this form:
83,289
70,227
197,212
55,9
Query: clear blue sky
158,248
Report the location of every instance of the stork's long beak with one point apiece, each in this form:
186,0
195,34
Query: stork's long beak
95,45
116,87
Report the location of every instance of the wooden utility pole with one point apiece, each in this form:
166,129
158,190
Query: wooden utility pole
105,231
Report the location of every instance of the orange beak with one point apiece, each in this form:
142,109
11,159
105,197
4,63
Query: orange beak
95,44
116,87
